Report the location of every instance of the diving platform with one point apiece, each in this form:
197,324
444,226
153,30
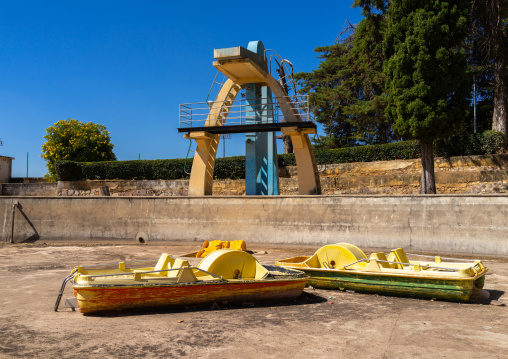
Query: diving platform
308,127
243,116
249,100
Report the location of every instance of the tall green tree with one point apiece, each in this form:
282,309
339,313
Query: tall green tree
480,74
426,73
328,95
367,77
73,140
489,54
347,89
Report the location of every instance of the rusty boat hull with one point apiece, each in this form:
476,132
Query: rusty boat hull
145,296
223,275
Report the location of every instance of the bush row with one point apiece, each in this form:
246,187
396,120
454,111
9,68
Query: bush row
234,167
484,143
225,168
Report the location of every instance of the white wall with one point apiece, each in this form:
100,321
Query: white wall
5,169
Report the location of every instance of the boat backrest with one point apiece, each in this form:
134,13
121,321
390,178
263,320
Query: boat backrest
398,255
233,264
186,275
179,263
210,246
238,245
382,257
165,262
335,256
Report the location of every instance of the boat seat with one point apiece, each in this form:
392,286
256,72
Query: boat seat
179,263
238,245
335,256
186,275
398,255
382,257
232,264
165,262
211,246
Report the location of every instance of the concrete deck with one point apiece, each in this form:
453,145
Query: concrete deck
320,324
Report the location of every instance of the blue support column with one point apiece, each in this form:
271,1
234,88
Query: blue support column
270,145
261,168
251,140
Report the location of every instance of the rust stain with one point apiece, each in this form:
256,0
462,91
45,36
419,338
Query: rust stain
113,297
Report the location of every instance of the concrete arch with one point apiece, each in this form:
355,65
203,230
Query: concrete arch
201,179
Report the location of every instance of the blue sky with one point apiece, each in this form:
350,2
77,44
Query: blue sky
129,64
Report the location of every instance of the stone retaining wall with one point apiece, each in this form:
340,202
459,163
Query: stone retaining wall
28,189
455,175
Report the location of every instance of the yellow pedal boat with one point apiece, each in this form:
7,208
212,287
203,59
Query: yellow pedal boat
345,266
224,275
210,246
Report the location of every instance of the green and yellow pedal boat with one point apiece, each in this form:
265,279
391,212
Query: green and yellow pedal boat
345,266
223,275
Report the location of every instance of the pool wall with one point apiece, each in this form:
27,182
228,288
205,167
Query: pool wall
442,223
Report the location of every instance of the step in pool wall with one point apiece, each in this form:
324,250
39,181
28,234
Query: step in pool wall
441,223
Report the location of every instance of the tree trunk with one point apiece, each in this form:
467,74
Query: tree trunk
288,144
428,182
499,118
493,34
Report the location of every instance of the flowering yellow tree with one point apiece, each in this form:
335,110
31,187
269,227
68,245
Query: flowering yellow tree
73,140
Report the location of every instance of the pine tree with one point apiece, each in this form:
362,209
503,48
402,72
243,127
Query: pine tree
367,111
347,89
328,95
426,72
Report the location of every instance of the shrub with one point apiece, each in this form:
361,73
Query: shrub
72,140
234,167
68,171
484,143
229,168
493,141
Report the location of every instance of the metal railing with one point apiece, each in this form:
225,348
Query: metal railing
218,82
284,69
402,263
152,271
241,111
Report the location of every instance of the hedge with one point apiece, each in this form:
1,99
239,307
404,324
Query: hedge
234,167
484,143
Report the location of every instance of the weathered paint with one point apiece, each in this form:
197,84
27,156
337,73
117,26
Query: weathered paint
345,266
111,297
410,286
237,276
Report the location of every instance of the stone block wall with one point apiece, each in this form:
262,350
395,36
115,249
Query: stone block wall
28,189
455,175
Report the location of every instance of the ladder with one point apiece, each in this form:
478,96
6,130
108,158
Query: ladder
216,87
